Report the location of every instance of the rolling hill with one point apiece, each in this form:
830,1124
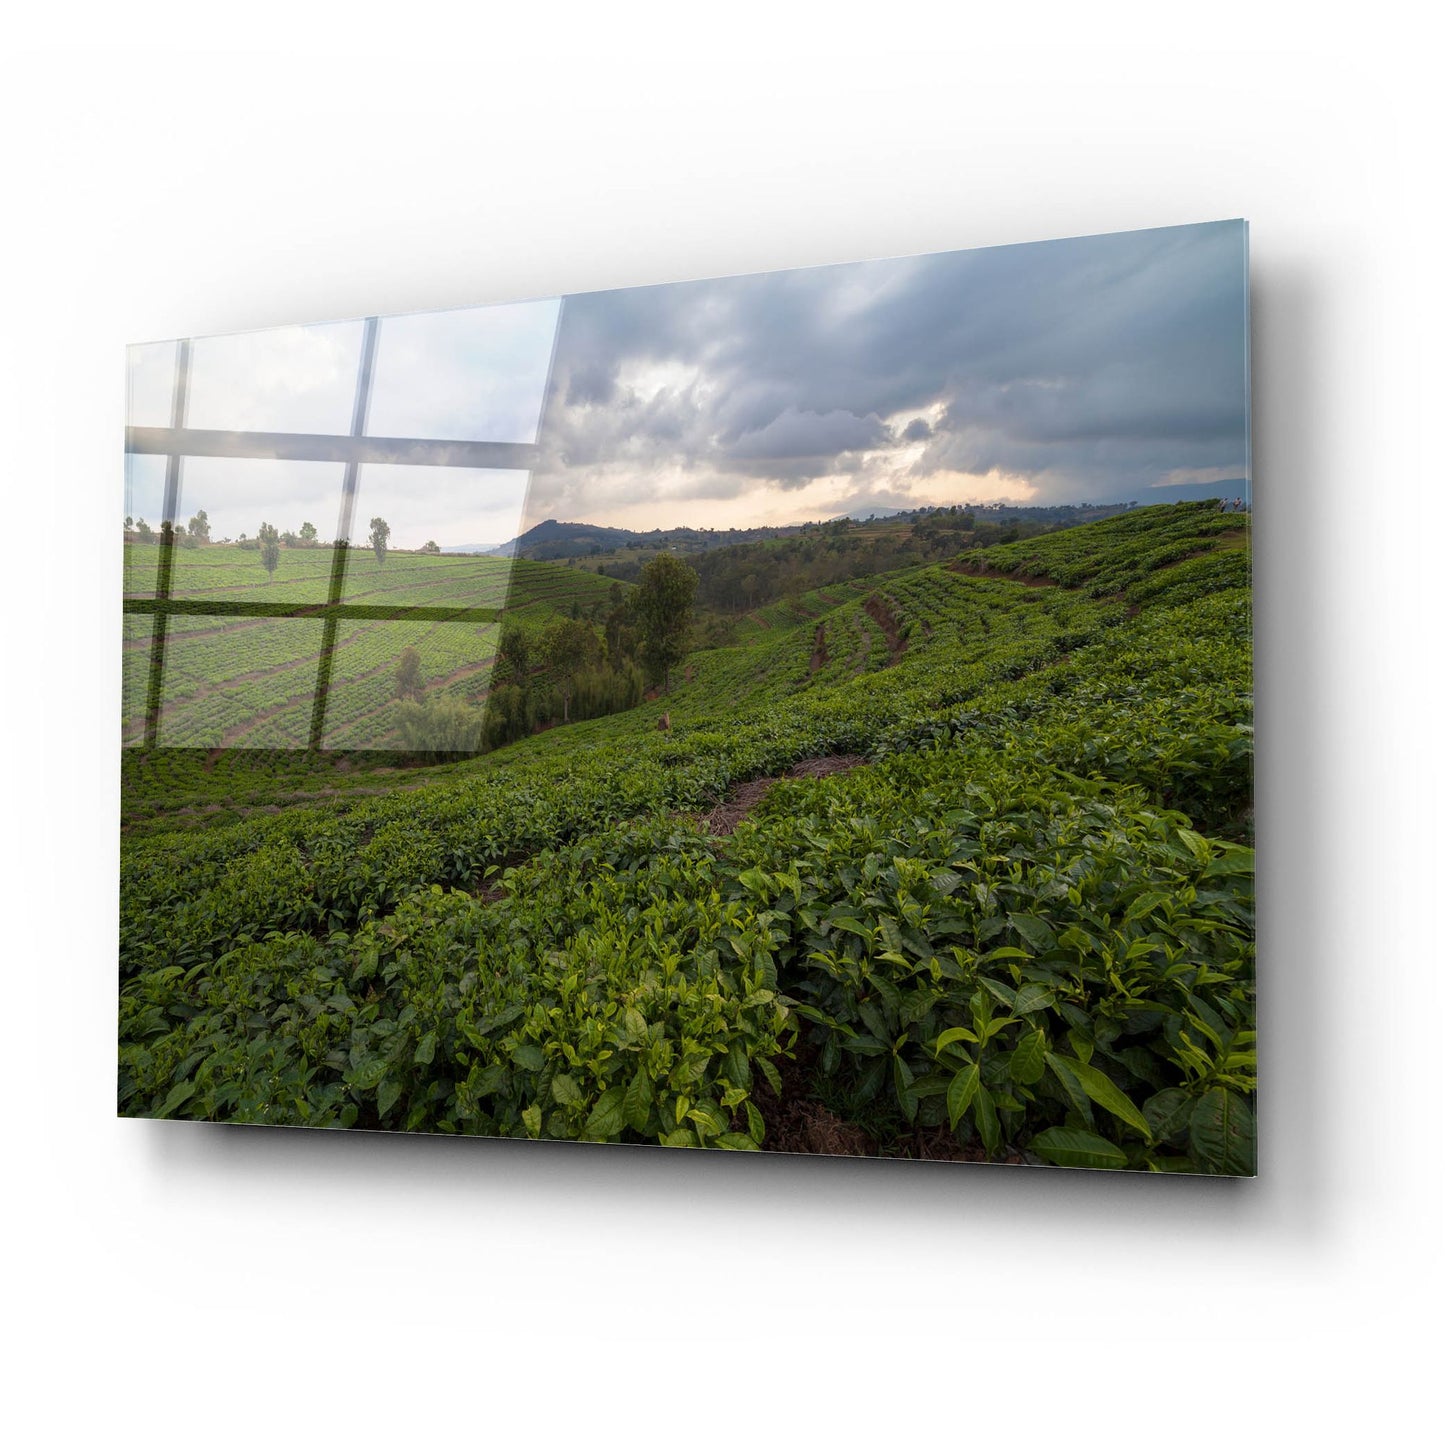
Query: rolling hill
951,860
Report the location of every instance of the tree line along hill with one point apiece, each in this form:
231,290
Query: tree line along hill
743,568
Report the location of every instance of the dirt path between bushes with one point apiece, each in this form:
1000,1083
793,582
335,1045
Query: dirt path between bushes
879,610
819,658
741,801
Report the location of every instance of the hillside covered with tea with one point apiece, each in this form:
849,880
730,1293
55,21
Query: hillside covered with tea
947,860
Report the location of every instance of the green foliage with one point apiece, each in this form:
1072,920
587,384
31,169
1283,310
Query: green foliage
510,714
1029,921
514,652
654,1021
199,527
598,691
377,538
664,609
1120,555
438,726
621,628
270,544
570,645
1000,946
408,674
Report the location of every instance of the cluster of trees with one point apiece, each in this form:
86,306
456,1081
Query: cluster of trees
737,579
572,670
196,532
268,540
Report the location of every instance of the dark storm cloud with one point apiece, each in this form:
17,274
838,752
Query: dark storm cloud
796,433
1088,367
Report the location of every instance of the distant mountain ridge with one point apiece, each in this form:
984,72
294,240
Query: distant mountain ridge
554,541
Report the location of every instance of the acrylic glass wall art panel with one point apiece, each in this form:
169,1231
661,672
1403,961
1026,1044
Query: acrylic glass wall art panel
798,712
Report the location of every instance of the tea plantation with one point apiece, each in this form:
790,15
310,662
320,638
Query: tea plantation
248,683
951,862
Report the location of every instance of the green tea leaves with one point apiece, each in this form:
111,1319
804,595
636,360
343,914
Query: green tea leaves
1077,1149
961,1093
1100,1088
609,1116
1221,1131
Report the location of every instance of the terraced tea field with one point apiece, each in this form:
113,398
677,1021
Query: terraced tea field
953,863
247,682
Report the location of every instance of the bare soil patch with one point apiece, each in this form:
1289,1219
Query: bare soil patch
879,610
797,1124
741,801
977,569
819,658
724,818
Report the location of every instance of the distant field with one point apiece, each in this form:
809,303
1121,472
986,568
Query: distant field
249,682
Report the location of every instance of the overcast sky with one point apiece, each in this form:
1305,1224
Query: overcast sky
1088,369
1099,368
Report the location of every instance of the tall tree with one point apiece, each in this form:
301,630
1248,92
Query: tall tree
570,644
270,541
200,526
408,674
307,534
620,628
665,589
431,548
380,532
514,650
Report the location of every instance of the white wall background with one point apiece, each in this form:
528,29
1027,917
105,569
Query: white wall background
185,169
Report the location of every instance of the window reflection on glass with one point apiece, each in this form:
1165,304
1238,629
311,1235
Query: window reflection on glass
476,374
145,489
150,383
239,682
135,666
224,549
285,379
379,668
260,531
434,523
